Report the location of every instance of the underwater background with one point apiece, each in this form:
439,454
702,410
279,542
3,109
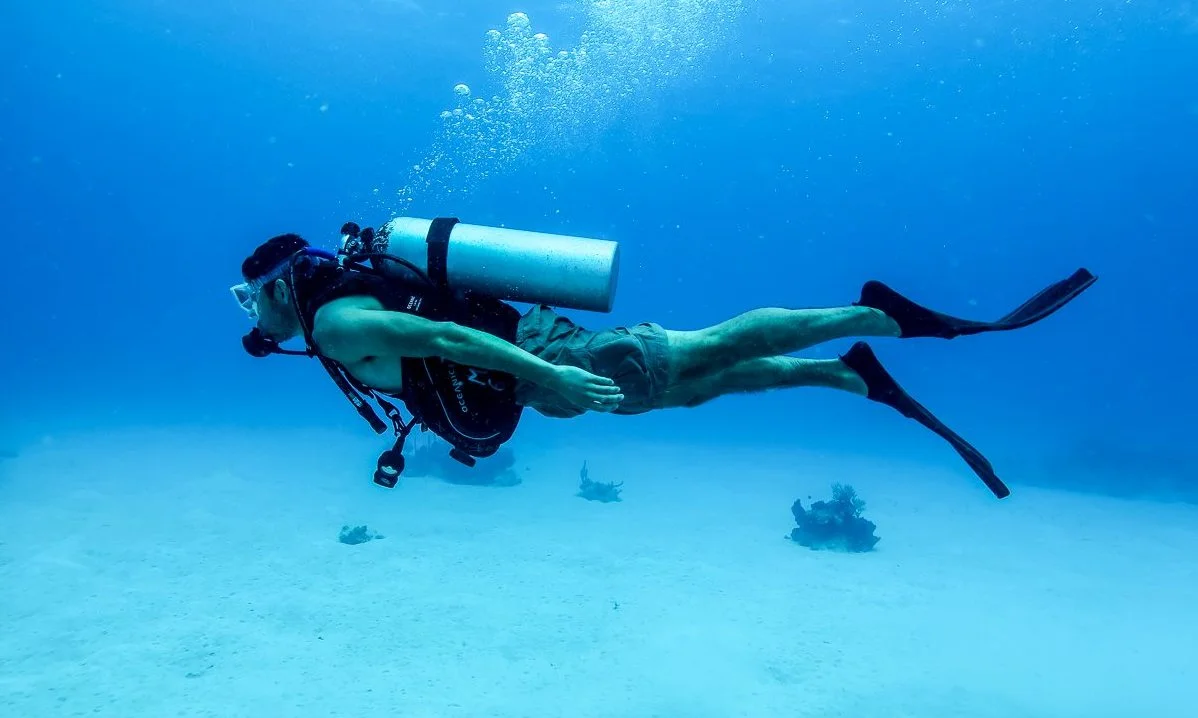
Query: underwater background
744,153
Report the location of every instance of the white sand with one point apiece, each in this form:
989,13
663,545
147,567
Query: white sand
179,574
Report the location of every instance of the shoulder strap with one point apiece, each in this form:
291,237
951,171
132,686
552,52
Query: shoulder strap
391,462
438,250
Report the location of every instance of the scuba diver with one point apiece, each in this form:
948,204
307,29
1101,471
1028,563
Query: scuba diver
389,317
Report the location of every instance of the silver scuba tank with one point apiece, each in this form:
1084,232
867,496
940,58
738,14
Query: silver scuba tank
510,264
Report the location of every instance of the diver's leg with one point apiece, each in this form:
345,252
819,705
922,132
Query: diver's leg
857,371
769,332
763,374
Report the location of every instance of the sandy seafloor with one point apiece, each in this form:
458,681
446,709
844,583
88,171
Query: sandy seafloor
198,573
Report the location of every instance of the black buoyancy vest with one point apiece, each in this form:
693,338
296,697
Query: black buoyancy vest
473,409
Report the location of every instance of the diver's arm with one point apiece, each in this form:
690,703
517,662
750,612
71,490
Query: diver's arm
351,333
472,347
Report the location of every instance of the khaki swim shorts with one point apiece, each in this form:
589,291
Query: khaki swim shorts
636,358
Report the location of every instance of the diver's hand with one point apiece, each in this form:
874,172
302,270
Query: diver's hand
586,390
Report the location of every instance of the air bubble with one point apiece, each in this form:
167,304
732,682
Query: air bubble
559,100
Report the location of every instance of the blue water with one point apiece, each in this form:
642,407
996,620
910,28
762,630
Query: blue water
968,153
767,154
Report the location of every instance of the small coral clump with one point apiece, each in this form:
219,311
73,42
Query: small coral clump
835,525
596,490
357,535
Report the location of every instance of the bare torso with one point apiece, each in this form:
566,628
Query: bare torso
382,373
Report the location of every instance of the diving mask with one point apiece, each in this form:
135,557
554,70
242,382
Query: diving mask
247,293
247,298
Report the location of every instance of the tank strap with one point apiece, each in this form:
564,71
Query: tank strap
438,250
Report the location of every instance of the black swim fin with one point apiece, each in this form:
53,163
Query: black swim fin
885,390
918,321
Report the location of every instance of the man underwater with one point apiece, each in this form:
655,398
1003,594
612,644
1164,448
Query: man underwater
466,366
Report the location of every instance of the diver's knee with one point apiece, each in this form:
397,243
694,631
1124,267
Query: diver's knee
698,355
